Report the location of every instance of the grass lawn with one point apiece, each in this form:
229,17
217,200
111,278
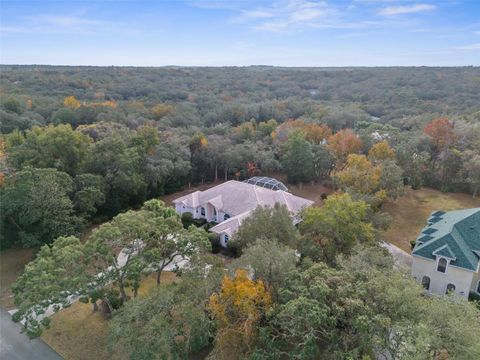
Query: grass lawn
78,333
410,212
12,263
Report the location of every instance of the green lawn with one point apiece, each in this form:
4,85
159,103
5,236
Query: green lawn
411,211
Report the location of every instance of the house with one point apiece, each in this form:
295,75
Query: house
446,256
230,203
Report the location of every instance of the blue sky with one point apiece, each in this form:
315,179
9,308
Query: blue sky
241,32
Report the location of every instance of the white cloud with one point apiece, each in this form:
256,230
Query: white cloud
406,9
61,24
285,15
469,47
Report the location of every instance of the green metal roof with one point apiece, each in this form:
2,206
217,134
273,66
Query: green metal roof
454,235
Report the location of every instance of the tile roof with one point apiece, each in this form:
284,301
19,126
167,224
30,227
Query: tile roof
454,235
235,197
238,199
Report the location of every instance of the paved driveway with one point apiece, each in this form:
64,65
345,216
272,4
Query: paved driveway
17,346
403,260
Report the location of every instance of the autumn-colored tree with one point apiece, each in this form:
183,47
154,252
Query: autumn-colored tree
237,309
108,103
160,110
251,169
71,102
359,174
198,142
442,133
267,128
316,133
246,130
342,144
381,151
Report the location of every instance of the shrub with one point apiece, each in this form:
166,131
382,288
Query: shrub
187,219
215,241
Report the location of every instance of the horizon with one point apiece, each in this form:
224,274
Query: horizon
212,33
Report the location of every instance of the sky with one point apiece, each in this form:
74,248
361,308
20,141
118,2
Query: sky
241,32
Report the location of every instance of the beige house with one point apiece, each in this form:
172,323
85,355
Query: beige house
230,203
446,256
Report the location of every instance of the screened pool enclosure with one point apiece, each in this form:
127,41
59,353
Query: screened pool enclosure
267,182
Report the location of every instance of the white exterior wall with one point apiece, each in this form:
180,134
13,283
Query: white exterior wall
180,209
222,240
475,280
462,279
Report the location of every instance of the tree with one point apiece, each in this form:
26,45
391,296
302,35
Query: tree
12,105
323,161
166,239
71,102
342,144
36,207
335,228
58,271
89,194
149,240
171,322
298,159
272,223
120,165
358,309
441,132
359,175
58,147
391,179
316,134
237,310
381,151
302,320
269,261
471,167
160,110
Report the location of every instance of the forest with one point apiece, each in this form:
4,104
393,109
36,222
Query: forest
87,148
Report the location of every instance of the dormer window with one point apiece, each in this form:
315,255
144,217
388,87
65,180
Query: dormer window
442,265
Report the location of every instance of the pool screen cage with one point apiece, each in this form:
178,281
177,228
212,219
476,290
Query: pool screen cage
267,182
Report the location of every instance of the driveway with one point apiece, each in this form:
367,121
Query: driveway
403,260
17,346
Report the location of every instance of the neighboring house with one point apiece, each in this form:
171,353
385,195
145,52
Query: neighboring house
228,204
446,256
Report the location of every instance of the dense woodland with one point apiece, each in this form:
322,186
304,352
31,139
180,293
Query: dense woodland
87,145
102,140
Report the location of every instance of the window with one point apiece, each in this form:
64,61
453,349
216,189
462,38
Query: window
478,287
426,282
450,289
214,212
226,217
442,265
226,238
202,211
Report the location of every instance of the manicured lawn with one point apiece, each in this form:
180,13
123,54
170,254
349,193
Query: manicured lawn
12,263
410,212
78,333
